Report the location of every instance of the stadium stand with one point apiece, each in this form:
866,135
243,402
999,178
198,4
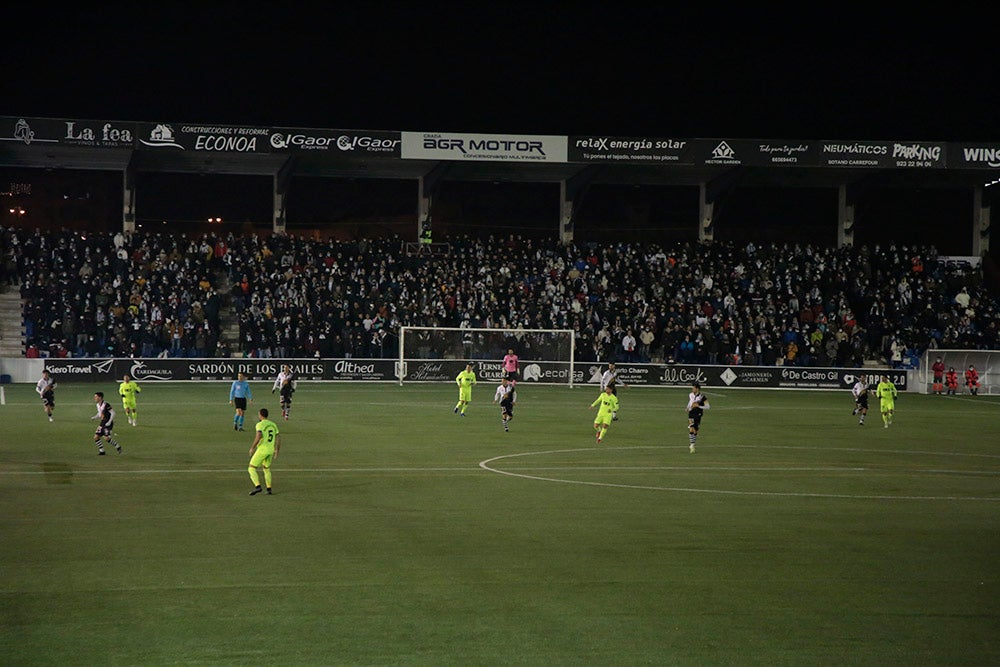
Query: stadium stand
147,294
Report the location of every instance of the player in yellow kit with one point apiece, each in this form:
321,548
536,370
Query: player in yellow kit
465,381
886,392
605,415
127,390
263,451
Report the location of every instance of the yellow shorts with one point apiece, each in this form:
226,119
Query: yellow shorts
261,457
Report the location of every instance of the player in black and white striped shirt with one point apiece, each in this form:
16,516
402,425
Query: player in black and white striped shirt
46,390
106,427
860,393
696,406
506,396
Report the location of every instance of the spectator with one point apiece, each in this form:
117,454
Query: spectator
628,347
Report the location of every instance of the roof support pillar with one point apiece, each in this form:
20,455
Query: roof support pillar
427,186
128,198
845,216
980,223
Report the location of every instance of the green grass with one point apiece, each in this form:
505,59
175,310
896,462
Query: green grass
400,533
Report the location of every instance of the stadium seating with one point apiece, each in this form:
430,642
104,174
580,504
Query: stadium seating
147,294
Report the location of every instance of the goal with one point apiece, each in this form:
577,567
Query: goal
438,354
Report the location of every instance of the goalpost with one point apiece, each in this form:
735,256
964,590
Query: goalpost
429,354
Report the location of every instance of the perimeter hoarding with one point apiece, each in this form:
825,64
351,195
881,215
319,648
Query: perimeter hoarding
974,156
39,133
204,138
749,377
445,370
631,150
770,152
483,147
884,154
42,132
338,143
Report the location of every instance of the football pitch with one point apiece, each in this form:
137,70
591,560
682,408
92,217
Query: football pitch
401,533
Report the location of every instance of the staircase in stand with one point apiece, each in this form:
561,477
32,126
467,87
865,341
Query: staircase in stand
229,323
11,323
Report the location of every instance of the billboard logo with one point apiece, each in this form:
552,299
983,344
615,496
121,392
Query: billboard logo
682,375
427,371
23,131
532,372
139,371
991,156
74,368
162,135
728,376
104,366
723,152
916,152
107,135
370,144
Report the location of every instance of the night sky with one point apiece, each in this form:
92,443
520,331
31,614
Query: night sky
514,67
625,69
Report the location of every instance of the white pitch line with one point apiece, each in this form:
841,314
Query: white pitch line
227,471
485,465
992,404
911,471
859,449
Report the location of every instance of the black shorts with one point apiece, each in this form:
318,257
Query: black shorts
240,403
507,408
862,401
49,399
104,430
511,375
694,419
286,395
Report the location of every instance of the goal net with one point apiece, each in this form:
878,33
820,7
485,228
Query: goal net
436,354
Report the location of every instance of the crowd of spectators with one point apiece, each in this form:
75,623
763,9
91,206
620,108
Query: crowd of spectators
156,294
121,295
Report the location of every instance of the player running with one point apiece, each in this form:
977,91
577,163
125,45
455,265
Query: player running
285,385
127,390
46,389
886,392
106,415
610,379
860,393
605,415
465,381
506,396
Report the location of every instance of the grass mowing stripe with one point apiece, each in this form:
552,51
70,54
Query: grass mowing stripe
810,541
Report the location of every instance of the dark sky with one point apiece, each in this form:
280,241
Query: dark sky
517,67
